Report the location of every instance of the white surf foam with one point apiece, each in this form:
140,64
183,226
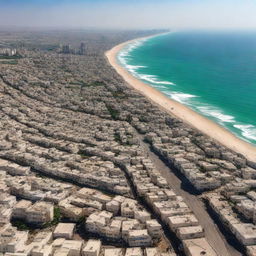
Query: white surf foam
124,57
247,130
134,68
183,98
154,79
216,113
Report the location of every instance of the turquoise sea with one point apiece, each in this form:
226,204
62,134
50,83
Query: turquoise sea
213,73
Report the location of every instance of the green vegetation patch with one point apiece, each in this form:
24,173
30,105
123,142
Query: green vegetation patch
15,57
113,112
97,83
56,218
117,138
84,154
22,226
83,84
119,94
12,62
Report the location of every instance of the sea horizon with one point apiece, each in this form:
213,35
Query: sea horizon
202,70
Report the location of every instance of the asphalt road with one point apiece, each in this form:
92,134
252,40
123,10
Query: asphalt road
212,233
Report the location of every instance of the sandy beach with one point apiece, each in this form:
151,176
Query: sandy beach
182,112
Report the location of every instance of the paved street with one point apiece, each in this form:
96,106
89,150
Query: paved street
212,232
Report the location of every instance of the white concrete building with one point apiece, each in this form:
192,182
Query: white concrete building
139,238
198,247
92,248
142,216
74,247
154,228
40,212
182,221
134,252
113,252
12,240
64,230
151,252
19,210
245,233
190,232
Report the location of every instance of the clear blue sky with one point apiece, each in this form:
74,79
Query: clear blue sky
174,14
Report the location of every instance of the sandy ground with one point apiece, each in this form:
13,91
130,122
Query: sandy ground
189,116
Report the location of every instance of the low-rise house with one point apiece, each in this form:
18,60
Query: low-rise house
92,248
74,247
113,230
44,250
151,252
13,241
182,221
40,212
139,238
154,228
129,225
70,211
19,210
64,230
245,233
142,216
113,206
134,252
14,169
128,207
5,215
42,238
190,232
113,252
7,200
198,246
251,250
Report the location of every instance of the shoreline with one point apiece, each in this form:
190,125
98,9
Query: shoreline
187,115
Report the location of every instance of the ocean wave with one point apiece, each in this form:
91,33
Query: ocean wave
216,113
247,130
153,79
125,52
134,68
124,57
183,98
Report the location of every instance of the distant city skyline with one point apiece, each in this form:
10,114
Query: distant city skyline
122,14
